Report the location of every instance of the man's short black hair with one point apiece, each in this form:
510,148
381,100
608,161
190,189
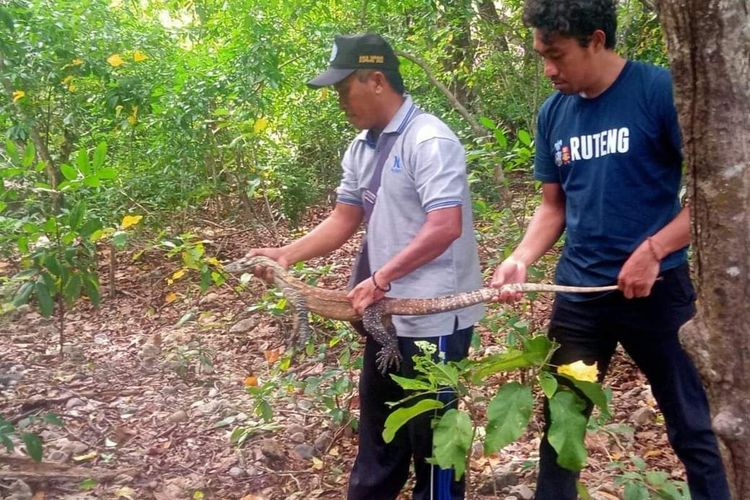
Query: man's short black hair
572,18
393,78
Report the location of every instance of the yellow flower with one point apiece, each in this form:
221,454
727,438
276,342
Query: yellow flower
67,79
77,62
260,124
72,88
580,371
133,118
139,56
130,220
18,94
115,60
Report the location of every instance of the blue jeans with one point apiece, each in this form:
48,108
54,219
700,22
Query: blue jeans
381,470
647,328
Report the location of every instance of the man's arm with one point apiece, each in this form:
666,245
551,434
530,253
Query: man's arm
544,230
441,228
327,236
640,271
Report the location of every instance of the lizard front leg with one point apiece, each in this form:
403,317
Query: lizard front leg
379,325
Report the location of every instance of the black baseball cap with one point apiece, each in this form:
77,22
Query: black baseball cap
353,52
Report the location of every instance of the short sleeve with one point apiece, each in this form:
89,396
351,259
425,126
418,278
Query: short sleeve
439,173
348,191
544,164
663,103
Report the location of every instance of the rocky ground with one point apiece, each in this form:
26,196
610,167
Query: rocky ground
152,388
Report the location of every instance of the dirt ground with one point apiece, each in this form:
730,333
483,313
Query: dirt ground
151,386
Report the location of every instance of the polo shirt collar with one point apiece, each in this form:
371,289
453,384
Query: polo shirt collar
397,123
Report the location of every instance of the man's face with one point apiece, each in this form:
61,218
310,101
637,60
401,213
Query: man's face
357,100
569,66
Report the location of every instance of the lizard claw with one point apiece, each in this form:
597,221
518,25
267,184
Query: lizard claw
388,358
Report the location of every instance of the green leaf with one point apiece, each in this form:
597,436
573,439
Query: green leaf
82,162
636,491
507,416
402,415
548,382
567,429
28,155
77,214
43,296
100,153
69,172
92,181
107,173
53,419
52,264
524,137
7,442
412,384
120,239
91,285
23,293
451,441
72,289
12,150
591,390
88,484
33,446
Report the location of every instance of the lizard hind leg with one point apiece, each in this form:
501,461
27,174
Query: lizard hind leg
381,329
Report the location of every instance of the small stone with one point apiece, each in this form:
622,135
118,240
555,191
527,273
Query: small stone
272,450
178,416
72,447
297,437
642,416
210,297
295,428
58,456
101,339
251,471
236,472
243,326
522,491
73,403
304,451
213,392
323,441
501,479
304,404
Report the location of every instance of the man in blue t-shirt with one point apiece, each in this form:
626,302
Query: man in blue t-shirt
608,155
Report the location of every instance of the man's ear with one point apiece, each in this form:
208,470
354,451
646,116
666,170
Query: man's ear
598,39
380,81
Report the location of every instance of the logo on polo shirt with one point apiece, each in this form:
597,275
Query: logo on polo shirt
396,167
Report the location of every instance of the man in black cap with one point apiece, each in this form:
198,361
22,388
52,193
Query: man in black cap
405,175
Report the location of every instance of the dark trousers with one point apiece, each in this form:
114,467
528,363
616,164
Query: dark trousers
647,329
381,470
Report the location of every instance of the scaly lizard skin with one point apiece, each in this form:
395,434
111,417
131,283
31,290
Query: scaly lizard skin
377,317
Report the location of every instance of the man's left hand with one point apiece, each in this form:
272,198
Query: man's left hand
364,294
639,273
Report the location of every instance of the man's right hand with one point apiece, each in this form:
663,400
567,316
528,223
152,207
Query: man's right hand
511,270
276,254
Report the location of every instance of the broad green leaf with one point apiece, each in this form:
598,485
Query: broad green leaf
29,154
53,419
412,384
451,441
120,239
591,390
567,429
636,491
23,293
7,442
107,173
548,382
513,359
12,150
77,214
100,154
43,296
3,205
88,484
33,446
69,172
487,123
91,285
507,416
524,137
82,162
72,289
583,493
92,181
52,264
402,415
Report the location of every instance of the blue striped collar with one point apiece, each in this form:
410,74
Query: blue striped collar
397,123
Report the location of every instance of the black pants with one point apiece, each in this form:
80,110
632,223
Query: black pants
647,329
381,470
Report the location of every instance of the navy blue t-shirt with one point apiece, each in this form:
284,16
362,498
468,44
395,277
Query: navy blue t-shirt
618,160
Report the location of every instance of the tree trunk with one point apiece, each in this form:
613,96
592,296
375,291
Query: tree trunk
709,48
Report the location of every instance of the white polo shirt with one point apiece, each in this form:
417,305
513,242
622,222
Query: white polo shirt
425,170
